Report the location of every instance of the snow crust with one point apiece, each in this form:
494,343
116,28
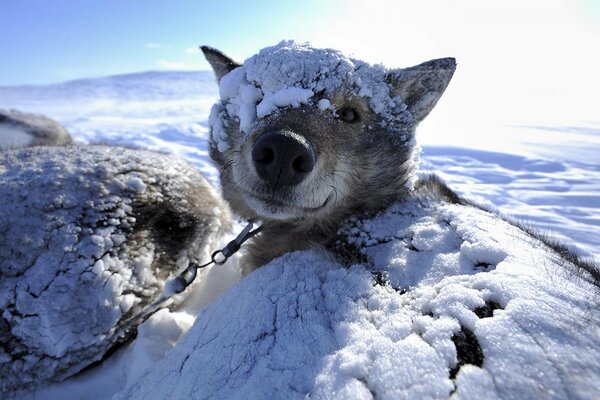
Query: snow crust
291,74
305,327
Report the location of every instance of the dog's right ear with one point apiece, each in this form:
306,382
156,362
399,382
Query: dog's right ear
220,63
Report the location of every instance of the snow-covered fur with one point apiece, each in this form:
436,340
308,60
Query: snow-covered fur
448,300
305,137
401,289
88,236
20,129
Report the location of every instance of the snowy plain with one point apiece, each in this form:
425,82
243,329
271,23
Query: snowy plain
547,175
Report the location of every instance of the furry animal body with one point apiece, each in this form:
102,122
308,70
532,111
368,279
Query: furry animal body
88,236
399,288
307,137
19,129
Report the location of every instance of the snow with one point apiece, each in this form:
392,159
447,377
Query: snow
323,104
306,327
546,175
291,96
290,74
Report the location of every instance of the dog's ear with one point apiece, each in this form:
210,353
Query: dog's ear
220,63
421,86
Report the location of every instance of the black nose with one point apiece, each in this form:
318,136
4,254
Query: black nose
282,158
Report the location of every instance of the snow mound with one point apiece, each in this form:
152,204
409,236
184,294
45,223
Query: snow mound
449,299
88,235
18,129
290,74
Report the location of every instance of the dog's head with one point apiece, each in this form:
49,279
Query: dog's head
307,133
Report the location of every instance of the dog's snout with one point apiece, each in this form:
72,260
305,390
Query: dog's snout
282,158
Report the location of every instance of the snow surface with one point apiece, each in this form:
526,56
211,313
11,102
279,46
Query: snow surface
548,176
306,327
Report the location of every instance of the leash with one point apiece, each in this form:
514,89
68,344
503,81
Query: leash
185,279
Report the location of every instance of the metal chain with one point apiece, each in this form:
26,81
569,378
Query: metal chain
185,279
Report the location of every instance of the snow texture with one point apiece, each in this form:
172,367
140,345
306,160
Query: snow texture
450,299
18,129
290,74
88,235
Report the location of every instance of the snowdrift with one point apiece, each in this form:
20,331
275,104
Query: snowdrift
448,299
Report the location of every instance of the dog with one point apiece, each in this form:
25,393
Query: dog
20,129
400,289
306,137
89,234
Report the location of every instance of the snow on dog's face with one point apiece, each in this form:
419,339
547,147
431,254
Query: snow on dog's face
309,133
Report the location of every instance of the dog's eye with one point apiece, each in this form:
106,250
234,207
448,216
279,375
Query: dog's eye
348,114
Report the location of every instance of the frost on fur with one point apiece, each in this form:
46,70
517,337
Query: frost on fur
291,74
448,300
19,129
305,137
88,235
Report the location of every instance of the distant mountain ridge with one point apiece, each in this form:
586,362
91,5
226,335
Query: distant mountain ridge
149,85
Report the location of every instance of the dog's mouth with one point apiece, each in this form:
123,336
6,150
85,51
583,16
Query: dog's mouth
276,208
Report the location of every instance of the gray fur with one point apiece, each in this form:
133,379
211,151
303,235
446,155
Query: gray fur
219,62
88,236
364,167
421,86
43,130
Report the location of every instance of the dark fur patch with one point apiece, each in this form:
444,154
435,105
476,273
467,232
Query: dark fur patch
432,186
487,311
468,350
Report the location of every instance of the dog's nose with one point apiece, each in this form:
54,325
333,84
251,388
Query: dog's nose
282,158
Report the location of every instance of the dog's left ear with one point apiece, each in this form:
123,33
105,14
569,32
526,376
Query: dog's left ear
220,63
421,86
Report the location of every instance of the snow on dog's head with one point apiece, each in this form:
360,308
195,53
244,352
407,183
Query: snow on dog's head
304,132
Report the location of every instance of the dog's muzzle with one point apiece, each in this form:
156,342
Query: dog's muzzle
282,158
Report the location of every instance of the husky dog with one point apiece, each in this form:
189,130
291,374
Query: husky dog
306,137
88,236
428,296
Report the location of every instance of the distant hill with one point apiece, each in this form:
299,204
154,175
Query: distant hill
150,85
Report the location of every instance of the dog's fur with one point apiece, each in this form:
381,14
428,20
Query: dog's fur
40,130
359,166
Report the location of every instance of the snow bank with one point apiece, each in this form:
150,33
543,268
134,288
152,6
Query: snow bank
451,299
290,74
88,236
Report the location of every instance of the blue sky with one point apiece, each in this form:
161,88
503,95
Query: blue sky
63,39
533,60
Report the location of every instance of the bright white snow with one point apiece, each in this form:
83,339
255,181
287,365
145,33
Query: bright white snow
290,74
306,327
